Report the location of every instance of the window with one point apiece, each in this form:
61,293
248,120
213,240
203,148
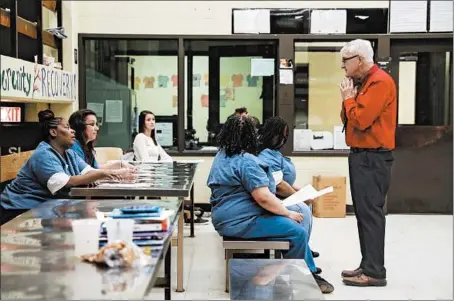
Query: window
318,74
124,77
219,80
423,99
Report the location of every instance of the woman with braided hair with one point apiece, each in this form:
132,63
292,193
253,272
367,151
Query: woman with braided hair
51,171
244,204
272,137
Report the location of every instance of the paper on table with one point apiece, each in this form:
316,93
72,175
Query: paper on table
308,192
189,161
124,185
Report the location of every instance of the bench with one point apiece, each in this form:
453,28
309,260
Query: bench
232,244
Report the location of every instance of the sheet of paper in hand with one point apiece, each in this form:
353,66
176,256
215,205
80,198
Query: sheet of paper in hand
305,194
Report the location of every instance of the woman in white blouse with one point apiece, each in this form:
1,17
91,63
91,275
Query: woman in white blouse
146,148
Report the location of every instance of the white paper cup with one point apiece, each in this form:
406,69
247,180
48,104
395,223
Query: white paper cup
86,236
119,229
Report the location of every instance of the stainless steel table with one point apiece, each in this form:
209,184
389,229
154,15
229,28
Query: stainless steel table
174,179
272,279
155,179
38,262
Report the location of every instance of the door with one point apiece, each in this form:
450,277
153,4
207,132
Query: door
232,85
422,172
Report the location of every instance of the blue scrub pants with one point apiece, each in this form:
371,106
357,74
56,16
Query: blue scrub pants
306,210
279,228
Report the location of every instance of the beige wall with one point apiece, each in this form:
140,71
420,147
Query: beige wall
70,22
181,17
306,167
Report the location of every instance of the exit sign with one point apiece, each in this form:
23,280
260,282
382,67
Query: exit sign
10,114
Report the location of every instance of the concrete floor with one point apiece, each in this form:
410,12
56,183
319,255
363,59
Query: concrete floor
418,259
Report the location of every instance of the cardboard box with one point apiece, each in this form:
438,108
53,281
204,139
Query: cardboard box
332,204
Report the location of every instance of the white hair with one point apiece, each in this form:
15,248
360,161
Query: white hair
362,48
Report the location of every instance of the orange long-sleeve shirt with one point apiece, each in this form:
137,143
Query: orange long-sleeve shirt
371,116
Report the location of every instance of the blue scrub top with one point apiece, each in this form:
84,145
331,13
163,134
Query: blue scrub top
278,162
289,171
232,180
29,188
77,148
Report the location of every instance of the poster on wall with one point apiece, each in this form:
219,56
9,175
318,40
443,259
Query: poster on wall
262,67
251,21
286,76
22,80
408,16
164,133
440,16
329,21
114,111
98,108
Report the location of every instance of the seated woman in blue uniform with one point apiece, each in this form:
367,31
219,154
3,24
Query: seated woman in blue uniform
51,171
85,124
243,198
272,137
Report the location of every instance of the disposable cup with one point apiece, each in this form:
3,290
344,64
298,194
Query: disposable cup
120,229
86,236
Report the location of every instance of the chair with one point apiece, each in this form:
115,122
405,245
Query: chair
11,164
232,244
105,154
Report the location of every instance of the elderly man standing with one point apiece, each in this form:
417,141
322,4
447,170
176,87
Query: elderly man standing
369,111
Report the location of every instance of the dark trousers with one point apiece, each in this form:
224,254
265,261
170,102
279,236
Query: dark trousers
370,178
8,214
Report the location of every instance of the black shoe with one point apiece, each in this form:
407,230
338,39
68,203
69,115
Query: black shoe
325,286
315,254
318,271
199,212
197,220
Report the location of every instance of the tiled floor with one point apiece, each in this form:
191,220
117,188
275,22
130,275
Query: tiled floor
418,260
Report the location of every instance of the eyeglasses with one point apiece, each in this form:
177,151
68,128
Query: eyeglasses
92,124
346,59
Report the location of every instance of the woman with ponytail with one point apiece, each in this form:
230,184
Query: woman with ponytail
51,171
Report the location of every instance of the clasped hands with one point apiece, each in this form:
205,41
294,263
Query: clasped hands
347,89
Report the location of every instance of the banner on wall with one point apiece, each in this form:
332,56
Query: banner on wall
22,80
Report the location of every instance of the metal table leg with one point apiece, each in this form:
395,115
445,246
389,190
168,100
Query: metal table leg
192,212
180,288
168,274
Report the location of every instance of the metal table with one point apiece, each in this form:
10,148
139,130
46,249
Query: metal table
38,259
174,179
272,279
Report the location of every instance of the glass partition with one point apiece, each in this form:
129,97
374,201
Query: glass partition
318,74
219,80
124,77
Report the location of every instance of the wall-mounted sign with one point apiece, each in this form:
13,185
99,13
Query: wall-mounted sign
10,114
22,80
